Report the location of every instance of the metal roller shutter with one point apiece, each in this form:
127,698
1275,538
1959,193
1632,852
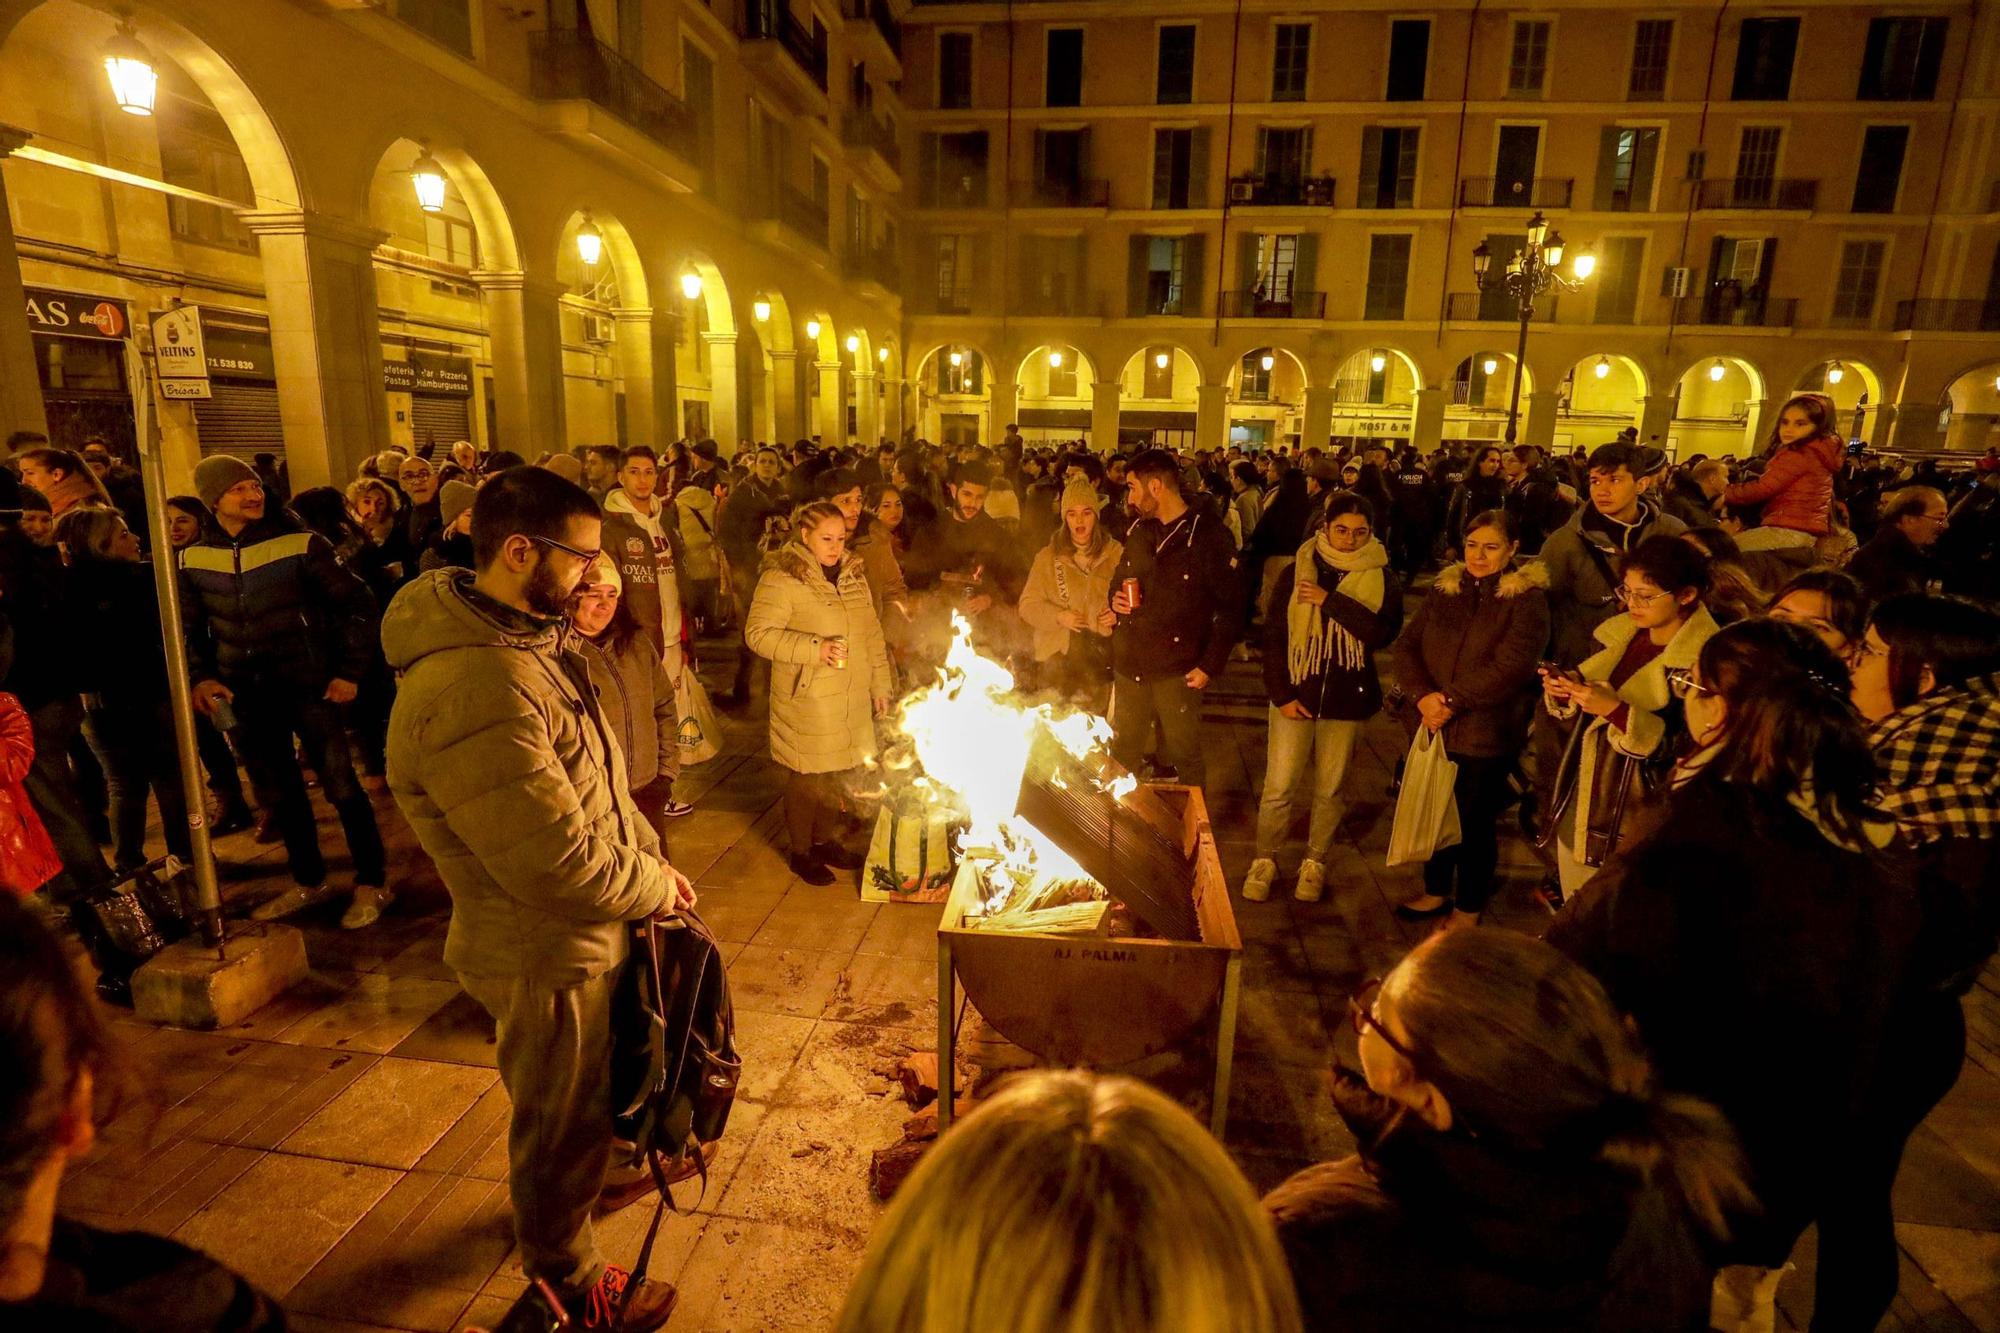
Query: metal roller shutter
240,419
440,418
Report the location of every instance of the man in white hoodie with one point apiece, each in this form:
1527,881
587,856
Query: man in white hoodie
641,534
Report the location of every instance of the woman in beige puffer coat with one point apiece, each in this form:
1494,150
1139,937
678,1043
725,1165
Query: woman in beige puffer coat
814,618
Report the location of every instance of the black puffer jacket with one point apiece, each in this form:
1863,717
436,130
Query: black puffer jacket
274,603
1478,640
116,614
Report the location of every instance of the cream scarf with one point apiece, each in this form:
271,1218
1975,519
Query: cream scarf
1313,639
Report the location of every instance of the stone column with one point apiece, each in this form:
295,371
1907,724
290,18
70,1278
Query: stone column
867,410
637,358
1104,395
20,383
1763,414
1538,423
830,422
1879,427
1656,418
326,343
784,398
524,329
725,394
1003,401
1211,416
895,405
1317,426
1427,419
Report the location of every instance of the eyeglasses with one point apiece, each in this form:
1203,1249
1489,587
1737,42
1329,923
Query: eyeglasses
1349,534
1683,684
1940,519
588,557
1628,597
1360,1013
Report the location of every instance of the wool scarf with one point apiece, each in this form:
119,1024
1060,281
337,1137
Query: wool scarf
1314,639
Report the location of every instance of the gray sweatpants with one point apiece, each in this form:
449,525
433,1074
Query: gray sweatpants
555,1060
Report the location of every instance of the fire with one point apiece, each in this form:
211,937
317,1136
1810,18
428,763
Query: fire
973,736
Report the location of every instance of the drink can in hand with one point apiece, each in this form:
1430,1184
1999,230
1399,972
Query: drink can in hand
1132,593
840,655
222,714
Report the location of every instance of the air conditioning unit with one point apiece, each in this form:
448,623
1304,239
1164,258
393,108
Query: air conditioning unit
1677,282
1242,192
598,329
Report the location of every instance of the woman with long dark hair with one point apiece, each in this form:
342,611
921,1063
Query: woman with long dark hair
635,692
1481,490
1521,1165
1828,602
1802,457
1762,943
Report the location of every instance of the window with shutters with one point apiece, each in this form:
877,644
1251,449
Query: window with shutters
1283,154
1253,382
1765,49
1388,167
1291,57
1528,59
1388,276
953,287
1051,272
698,90
1901,60
1652,46
1881,172
1757,165
957,167
1275,267
1063,84
1409,60
1859,279
1174,80
1739,282
1177,168
1165,270
954,70
1625,166
1620,262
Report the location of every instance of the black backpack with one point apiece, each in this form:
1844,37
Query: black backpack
674,1066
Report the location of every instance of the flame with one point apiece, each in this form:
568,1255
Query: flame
973,735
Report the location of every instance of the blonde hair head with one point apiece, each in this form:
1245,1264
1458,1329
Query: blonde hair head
1070,1203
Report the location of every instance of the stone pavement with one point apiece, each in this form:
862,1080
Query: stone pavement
345,1147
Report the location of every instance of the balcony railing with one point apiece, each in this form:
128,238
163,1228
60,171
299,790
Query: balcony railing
1948,315
874,263
965,188
1496,308
1370,194
1729,309
1259,190
1502,192
1081,192
797,212
1054,304
874,11
1256,305
1757,192
957,302
564,63
769,20
858,129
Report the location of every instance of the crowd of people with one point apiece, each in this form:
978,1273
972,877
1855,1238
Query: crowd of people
1747,711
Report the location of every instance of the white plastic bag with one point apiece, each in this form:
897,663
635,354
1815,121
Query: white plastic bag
1427,809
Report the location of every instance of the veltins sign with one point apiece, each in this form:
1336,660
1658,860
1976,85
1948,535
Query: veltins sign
177,347
75,314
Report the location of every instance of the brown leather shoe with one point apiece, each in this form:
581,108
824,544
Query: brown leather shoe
645,1304
626,1186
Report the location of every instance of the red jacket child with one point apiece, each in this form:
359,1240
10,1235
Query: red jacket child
28,859
1796,489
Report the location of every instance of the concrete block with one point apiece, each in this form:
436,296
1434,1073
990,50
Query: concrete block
189,985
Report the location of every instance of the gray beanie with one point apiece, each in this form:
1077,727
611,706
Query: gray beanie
453,499
217,473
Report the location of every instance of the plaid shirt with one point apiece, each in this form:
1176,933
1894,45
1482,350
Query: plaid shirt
1941,760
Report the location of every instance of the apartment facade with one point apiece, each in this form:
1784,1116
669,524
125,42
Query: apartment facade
1199,222
414,221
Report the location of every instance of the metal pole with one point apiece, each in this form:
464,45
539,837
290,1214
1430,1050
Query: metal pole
166,582
1525,297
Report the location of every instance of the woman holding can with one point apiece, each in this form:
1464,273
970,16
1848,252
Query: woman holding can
813,617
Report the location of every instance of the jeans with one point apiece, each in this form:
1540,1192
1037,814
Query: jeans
1176,706
1326,743
1481,790
269,715
52,790
135,744
554,1056
812,809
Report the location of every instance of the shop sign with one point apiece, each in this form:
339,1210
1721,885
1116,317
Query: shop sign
75,314
177,344
238,353
450,375
181,389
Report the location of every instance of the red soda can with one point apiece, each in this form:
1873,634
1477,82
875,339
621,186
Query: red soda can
1132,593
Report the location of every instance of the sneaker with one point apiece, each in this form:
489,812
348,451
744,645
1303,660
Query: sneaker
837,856
617,1301
675,809
295,899
1312,880
1257,884
370,901
811,871
232,821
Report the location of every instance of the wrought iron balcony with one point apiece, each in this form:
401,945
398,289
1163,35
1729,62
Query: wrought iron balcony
797,212
565,64
1257,305
1757,192
860,130
1948,315
1502,192
1270,190
1496,307
1077,192
1727,308
874,263
963,187
767,20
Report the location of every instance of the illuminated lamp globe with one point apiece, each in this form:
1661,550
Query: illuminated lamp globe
427,179
1584,263
1378,363
135,80
958,358
1055,360
1267,361
812,328
1602,368
1489,365
1835,373
1717,371
589,242
691,284
760,310
882,354
853,342
1161,360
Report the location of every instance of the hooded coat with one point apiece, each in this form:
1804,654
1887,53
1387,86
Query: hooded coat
822,717
1057,583
500,759
1582,564
645,547
1796,489
1477,640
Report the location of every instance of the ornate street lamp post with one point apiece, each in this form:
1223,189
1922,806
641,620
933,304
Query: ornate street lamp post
1538,268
